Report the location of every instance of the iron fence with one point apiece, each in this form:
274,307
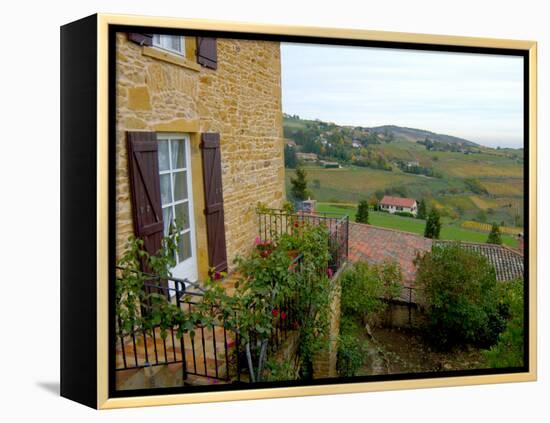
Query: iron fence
213,352
274,222
208,353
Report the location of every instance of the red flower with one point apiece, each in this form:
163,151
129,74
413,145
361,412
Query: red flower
330,273
217,276
283,315
274,312
296,224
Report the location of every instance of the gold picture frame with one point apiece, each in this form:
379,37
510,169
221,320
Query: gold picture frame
98,31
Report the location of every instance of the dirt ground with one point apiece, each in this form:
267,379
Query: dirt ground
398,350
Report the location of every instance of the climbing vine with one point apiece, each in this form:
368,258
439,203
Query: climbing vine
290,268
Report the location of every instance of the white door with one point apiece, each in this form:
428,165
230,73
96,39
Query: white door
177,200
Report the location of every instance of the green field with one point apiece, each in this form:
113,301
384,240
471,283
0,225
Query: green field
471,183
386,220
350,184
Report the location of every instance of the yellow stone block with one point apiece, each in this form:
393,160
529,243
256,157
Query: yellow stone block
138,98
131,122
178,125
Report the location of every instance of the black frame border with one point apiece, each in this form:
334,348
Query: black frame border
113,29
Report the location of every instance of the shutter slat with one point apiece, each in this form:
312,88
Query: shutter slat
213,193
145,189
207,52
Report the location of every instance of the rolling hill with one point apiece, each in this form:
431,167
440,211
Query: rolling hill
463,180
412,134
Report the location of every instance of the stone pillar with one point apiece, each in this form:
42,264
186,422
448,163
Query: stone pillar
324,363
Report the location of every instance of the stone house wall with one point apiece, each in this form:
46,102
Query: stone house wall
241,100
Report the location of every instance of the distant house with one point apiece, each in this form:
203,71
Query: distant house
308,206
290,143
307,157
356,144
399,204
329,165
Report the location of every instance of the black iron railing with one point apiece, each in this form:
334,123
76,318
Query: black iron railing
274,222
212,352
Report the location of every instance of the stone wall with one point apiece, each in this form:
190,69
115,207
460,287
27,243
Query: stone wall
241,100
324,363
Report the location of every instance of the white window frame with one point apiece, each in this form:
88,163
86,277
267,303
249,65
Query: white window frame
160,42
167,137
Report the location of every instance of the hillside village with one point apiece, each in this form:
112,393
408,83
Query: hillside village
471,186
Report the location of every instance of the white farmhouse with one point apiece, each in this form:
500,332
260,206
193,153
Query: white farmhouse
399,204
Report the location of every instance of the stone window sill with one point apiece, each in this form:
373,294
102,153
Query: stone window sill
170,58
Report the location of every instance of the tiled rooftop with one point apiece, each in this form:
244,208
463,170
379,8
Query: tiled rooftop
388,200
375,245
508,263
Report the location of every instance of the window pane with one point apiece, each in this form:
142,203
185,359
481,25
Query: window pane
156,39
178,154
164,163
167,219
175,42
180,185
165,189
182,215
184,246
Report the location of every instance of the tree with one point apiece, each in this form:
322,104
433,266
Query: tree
299,185
367,289
433,225
362,215
509,350
422,210
494,236
373,202
291,161
460,292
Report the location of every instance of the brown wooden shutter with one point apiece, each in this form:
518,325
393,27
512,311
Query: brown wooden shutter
141,39
145,189
213,193
207,52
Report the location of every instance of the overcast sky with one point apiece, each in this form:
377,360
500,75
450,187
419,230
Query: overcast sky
473,96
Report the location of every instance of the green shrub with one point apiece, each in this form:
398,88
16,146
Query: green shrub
509,350
422,210
459,289
433,225
277,371
362,215
494,236
364,287
352,350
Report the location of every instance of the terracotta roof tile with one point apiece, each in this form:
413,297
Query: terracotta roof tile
375,245
508,263
397,201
